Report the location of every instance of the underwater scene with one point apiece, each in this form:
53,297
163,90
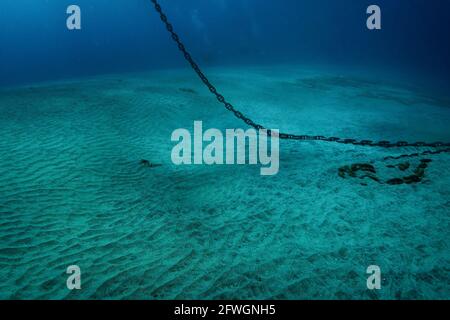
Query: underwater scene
127,171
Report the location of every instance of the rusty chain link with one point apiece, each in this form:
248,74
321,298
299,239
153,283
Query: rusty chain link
248,121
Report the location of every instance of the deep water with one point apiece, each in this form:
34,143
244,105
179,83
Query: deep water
79,110
127,36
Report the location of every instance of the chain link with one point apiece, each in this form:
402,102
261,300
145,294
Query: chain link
248,121
425,153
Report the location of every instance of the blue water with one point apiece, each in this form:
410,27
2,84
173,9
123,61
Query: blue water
80,109
118,35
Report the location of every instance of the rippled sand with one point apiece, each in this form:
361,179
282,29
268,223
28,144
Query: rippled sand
72,191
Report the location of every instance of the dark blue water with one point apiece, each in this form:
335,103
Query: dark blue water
127,35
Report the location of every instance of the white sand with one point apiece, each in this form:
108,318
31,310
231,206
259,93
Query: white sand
72,190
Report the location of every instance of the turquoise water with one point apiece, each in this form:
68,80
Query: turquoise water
72,190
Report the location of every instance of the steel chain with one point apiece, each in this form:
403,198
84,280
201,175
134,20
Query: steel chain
248,121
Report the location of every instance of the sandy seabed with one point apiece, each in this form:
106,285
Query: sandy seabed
72,190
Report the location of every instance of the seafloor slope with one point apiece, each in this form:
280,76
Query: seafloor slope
72,190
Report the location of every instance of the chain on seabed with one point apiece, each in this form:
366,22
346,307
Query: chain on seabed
248,121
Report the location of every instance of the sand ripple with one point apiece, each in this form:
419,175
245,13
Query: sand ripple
72,192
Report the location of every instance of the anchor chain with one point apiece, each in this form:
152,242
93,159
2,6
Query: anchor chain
425,153
287,136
